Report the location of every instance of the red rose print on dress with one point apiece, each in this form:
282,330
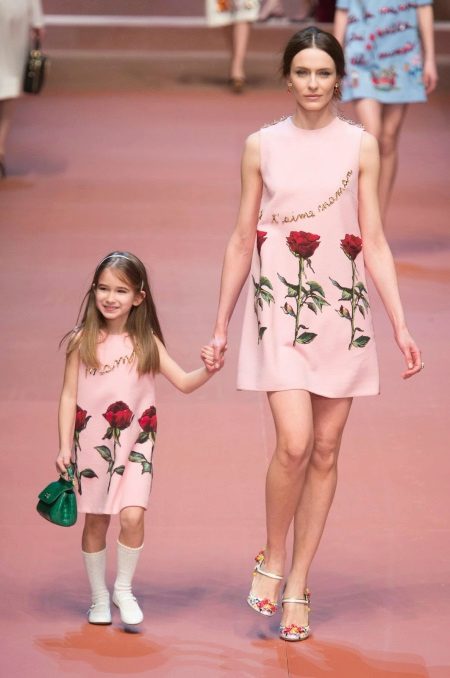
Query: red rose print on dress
262,287
351,245
81,421
305,292
148,423
119,417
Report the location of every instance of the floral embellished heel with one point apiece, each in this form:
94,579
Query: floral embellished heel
294,632
264,606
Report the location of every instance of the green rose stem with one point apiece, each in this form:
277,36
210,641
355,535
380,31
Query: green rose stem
299,304
353,304
113,461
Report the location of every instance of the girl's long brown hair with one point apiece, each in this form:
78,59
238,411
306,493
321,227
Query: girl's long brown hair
142,322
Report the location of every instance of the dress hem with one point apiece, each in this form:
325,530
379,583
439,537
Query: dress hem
112,513
262,389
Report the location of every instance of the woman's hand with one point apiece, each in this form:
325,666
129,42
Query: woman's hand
63,461
430,76
212,363
411,352
219,346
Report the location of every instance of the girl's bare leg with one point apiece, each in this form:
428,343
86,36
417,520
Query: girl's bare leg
369,114
329,419
132,526
94,532
293,418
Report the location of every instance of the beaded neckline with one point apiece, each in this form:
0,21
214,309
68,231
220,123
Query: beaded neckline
105,369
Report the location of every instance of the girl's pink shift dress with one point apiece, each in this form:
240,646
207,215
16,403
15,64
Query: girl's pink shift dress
307,322
115,431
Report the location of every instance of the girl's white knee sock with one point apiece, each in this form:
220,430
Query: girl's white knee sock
127,560
96,571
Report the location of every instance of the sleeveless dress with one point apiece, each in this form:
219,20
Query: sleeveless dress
383,51
307,320
115,431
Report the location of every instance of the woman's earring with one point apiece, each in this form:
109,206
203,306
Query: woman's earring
289,87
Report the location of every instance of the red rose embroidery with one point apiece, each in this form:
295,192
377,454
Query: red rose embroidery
303,244
118,415
81,419
351,245
261,236
148,423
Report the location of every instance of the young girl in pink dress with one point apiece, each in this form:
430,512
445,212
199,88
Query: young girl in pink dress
108,421
308,226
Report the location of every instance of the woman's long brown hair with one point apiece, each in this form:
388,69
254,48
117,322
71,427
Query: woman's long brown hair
142,322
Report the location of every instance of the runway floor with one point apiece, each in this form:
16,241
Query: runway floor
158,174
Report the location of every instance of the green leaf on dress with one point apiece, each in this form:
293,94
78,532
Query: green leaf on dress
261,332
292,291
311,307
346,295
287,308
136,456
315,287
143,437
360,286
288,284
119,470
147,467
105,452
88,473
263,281
361,341
267,296
306,338
109,433
361,310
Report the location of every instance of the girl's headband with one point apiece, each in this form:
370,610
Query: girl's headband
118,256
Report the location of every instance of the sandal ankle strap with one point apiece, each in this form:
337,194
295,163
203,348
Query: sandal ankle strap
259,570
302,601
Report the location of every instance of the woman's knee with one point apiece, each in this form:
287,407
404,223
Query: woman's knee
293,454
325,453
132,519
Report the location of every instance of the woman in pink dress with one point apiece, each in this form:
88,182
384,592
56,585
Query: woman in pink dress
108,421
308,227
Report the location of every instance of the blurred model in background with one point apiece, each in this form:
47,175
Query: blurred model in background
17,18
236,16
390,63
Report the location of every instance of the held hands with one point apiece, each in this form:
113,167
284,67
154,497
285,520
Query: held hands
411,352
211,363
62,462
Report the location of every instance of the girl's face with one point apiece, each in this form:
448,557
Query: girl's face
115,297
313,77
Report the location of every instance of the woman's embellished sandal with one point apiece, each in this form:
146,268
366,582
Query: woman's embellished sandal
293,632
264,606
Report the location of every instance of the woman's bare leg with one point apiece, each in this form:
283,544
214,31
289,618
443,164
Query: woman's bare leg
241,34
292,414
94,532
6,115
369,113
392,121
329,419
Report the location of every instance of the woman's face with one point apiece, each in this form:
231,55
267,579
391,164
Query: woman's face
312,79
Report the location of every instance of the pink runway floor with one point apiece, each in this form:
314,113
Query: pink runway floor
158,174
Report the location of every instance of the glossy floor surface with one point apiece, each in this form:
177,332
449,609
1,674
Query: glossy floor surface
158,174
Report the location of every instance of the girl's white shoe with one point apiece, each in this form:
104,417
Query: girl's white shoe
100,613
130,612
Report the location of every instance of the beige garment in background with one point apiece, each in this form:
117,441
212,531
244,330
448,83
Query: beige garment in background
16,19
226,12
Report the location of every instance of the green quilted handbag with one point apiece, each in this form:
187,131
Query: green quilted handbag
57,502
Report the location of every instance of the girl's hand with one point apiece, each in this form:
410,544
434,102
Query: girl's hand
430,76
411,352
211,364
62,462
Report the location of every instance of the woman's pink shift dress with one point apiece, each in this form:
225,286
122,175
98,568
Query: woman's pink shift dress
307,322
115,431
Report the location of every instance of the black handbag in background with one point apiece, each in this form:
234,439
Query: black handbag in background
35,69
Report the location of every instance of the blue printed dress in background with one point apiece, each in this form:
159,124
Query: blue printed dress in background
383,53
